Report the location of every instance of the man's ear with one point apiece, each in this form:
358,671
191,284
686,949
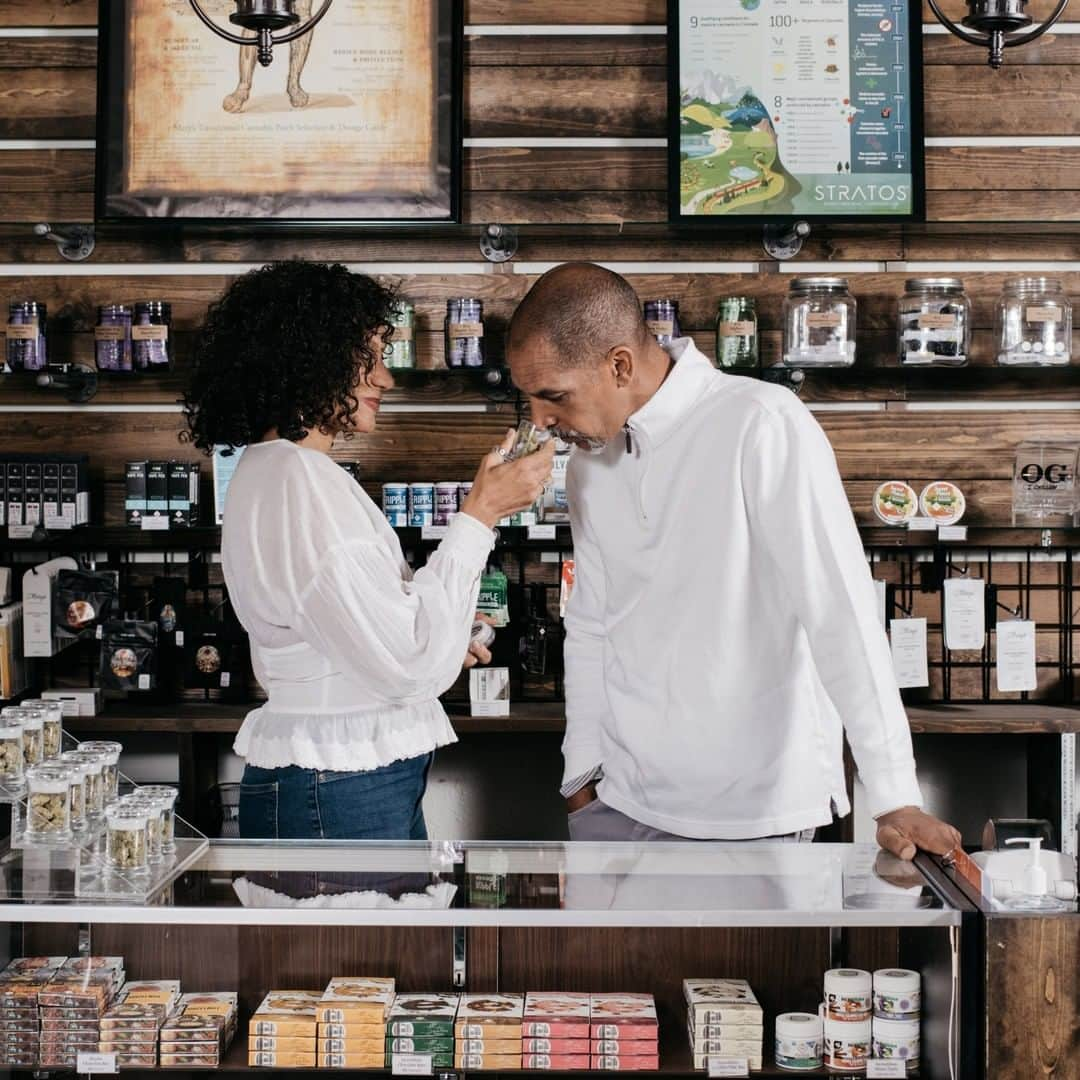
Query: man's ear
621,360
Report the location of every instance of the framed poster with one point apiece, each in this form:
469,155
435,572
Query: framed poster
784,110
358,121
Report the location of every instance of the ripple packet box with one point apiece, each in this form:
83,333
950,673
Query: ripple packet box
556,1016
24,978
286,1059
131,1019
354,1032
336,1060
296,1044
410,1046
628,1017
721,1002
556,1062
488,1062
220,1003
170,1060
624,1047
557,1047
415,1016
287,1012
160,994
621,1063
359,1001
491,1017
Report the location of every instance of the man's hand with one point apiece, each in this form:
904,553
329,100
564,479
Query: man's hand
907,830
581,798
478,654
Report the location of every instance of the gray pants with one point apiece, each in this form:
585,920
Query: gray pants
599,822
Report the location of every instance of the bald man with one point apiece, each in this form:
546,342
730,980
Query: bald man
723,629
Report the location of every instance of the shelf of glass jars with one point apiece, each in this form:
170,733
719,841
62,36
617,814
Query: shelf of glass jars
549,717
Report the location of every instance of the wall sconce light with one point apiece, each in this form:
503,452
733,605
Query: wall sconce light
998,25
264,17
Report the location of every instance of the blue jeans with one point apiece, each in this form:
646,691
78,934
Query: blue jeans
310,804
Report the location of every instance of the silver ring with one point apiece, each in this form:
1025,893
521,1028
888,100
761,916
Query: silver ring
500,451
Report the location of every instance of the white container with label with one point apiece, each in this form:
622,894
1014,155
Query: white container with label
799,1042
897,994
897,1040
847,1045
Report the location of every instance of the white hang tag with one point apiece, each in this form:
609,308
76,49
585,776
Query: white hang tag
965,613
411,1065
880,591
908,639
1016,655
90,1064
728,1066
885,1068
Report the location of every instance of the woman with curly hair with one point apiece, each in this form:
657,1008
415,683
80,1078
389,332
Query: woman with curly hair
352,648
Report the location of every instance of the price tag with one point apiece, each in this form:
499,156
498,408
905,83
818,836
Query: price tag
551,557
179,639
433,532
908,640
144,682
20,532
1016,655
95,1063
965,613
881,596
542,532
885,1067
922,524
57,522
411,1065
952,532
226,680
728,1066
154,524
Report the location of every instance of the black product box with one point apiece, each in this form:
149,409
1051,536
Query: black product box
74,489
183,494
135,498
157,489
50,491
15,479
32,493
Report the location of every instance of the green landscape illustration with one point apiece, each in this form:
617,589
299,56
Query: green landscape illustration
730,160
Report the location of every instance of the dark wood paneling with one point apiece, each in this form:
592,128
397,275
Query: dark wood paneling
522,168
1033,998
1011,169
592,50
552,12
939,49
48,13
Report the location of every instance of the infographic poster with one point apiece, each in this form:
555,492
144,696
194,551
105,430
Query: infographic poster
796,108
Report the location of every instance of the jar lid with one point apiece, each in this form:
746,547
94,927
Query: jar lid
801,283
25,305
53,708
916,284
80,763
1033,284
897,980
848,979
49,772
849,1030
464,301
154,307
111,750
31,719
127,814
897,1029
798,1026
11,723
159,791
114,309
662,303
93,760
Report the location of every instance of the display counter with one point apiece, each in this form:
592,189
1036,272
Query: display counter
253,917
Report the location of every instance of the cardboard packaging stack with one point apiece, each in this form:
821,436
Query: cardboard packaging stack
724,1020
352,1017
284,1030
423,1024
199,1030
20,1022
72,1005
625,1033
489,1033
131,1028
556,1031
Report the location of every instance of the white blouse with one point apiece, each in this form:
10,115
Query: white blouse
352,649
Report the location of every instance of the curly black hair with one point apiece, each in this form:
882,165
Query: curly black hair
284,348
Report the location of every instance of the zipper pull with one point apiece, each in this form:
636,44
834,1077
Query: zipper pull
629,444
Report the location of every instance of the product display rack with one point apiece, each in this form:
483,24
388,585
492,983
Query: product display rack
509,918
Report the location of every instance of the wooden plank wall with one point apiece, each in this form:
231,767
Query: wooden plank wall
589,82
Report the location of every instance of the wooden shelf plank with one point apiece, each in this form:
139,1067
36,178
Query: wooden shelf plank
1005,718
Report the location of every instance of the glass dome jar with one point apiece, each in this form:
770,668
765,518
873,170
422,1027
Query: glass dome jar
48,803
26,344
95,780
736,333
80,767
33,725
165,797
150,347
1033,323
112,338
464,332
155,807
53,730
401,352
662,319
934,323
127,838
11,753
819,323
110,752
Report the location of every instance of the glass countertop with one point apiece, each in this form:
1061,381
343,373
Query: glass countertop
498,884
